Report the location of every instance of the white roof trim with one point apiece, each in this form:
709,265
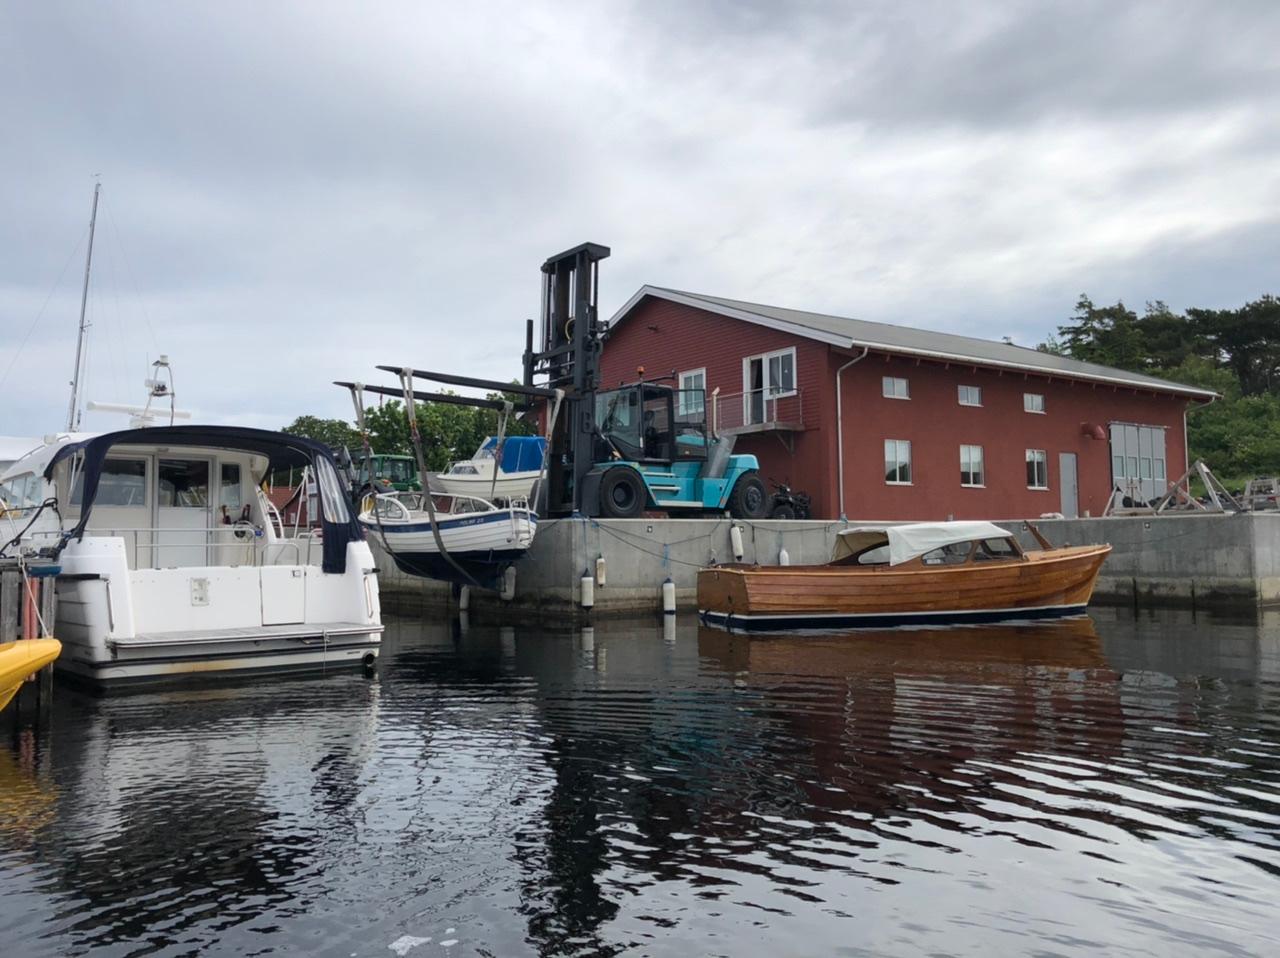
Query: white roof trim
848,342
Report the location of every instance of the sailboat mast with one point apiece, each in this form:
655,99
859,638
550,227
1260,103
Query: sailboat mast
73,413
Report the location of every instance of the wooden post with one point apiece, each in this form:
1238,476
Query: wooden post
10,593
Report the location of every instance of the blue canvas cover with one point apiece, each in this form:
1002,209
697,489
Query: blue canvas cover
519,453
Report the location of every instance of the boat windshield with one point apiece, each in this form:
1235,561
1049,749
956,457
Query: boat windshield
22,492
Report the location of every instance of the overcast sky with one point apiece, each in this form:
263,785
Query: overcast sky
294,193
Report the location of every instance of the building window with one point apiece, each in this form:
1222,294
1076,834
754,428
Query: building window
970,395
1037,469
692,391
897,462
1033,402
895,388
765,379
971,466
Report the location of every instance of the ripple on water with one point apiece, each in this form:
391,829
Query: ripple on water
1043,788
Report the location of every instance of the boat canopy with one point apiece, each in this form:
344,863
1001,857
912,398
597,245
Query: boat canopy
519,453
281,450
913,539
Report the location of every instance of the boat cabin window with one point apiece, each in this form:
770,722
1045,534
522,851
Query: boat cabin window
464,469
123,482
953,553
229,489
22,492
989,549
181,482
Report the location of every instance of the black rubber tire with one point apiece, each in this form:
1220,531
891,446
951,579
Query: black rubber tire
785,511
622,493
749,499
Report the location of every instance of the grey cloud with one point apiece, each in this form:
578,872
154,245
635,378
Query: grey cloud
294,194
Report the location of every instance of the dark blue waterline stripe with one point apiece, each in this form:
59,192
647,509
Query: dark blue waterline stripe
779,623
392,528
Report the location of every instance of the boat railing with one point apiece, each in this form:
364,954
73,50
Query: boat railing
167,547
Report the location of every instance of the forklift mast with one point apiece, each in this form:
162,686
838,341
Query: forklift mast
570,359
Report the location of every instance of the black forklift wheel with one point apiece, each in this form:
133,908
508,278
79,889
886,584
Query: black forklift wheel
622,493
748,500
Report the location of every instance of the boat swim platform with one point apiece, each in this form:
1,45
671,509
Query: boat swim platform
313,632
1192,560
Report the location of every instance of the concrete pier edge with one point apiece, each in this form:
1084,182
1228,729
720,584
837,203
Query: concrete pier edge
1189,560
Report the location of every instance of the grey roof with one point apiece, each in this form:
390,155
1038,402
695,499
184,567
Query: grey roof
857,333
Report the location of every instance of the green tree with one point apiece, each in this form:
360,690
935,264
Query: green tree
1108,335
331,432
1246,341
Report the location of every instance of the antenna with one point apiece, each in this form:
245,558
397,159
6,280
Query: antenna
73,412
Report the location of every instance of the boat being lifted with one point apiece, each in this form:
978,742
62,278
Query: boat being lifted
926,573
173,561
458,536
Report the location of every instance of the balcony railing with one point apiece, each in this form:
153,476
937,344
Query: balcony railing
757,410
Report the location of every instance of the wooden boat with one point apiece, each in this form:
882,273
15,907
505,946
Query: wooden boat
21,659
911,574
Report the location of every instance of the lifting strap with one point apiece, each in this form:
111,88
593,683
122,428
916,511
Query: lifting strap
357,393
497,450
411,410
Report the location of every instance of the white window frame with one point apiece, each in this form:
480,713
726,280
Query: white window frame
898,444
1044,461
764,358
681,377
885,387
1027,405
982,466
960,394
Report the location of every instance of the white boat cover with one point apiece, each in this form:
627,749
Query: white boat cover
913,539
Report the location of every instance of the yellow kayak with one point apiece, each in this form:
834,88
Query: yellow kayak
23,658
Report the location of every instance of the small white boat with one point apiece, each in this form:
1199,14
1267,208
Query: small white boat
481,540
517,462
173,561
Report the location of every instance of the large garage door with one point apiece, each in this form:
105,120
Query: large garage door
1137,460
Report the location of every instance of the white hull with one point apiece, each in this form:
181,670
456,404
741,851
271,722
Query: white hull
500,531
514,485
118,623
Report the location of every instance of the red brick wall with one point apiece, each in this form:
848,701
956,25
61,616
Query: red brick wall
664,336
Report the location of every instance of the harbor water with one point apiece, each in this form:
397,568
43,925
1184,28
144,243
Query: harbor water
1099,786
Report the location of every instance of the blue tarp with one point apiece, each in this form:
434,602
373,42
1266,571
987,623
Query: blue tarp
519,453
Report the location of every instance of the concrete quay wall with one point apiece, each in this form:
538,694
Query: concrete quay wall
1196,560
1199,560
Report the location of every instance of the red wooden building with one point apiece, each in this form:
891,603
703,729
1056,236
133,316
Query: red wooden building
877,421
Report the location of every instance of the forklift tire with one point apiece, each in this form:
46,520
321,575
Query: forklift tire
622,493
748,500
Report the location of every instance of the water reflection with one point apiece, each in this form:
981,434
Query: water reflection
1110,784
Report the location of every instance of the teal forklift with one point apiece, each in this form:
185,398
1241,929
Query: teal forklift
653,453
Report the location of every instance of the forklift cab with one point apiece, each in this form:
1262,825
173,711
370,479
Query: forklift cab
646,422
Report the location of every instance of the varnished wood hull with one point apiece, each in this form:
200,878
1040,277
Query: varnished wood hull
1048,584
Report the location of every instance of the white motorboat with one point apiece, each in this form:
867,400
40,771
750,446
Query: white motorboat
499,471
480,539
172,560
